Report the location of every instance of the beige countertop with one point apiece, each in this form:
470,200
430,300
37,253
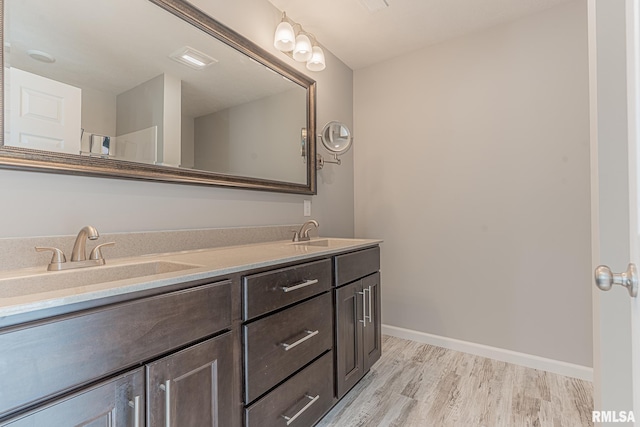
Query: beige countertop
33,289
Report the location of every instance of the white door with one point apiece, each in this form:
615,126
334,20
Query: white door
613,70
44,114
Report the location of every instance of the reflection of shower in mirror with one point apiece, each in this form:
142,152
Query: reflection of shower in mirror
139,146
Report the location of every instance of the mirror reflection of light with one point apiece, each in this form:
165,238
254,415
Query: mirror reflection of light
193,60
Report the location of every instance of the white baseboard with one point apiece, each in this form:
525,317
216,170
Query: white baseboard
509,356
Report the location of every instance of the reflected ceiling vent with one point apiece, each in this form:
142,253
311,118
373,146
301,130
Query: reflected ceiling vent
374,5
192,58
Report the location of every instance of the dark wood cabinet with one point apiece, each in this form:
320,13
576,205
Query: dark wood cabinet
191,388
357,318
117,402
352,266
48,364
278,345
371,332
274,289
287,342
275,346
298,402
349,337
77,349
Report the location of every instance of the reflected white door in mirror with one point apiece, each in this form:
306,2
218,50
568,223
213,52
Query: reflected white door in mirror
44,113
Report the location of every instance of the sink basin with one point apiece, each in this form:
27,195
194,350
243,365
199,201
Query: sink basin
53,281
325,242
322,243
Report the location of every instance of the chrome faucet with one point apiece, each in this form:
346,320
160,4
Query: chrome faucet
303,234
79,252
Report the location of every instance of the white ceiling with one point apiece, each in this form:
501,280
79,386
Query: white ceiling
126,43
361,38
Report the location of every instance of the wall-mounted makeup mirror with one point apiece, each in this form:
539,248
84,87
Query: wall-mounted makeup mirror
337,138
154,90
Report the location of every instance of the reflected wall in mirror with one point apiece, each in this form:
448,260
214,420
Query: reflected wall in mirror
151,89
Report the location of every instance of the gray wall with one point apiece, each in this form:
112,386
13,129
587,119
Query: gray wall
142,107
472,163
98,113
46,204
270,150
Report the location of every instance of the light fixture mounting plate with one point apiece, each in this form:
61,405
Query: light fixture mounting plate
375,5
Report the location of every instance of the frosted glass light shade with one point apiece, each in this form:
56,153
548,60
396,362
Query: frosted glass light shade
316,63
302,51
285,38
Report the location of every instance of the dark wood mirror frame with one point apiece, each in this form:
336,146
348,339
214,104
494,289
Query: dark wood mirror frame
43,161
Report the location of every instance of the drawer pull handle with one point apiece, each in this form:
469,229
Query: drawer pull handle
135,404
364,307
167,402
301,285
310,334
311,402
369,316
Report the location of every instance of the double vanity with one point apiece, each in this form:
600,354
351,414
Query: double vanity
266,334
253,332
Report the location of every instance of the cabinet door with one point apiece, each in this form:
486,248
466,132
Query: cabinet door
349,339
193,387
116,403
372,330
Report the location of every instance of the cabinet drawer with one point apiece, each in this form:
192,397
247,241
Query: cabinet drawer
278,345
41,360
355,265
308,394
269,291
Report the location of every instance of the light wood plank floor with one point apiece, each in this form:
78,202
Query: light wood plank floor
416,385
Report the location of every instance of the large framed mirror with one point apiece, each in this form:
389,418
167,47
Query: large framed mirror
154,90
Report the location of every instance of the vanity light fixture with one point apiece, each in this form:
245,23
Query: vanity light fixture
375,5
192,58
302,51
285,38
300,45
316,63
